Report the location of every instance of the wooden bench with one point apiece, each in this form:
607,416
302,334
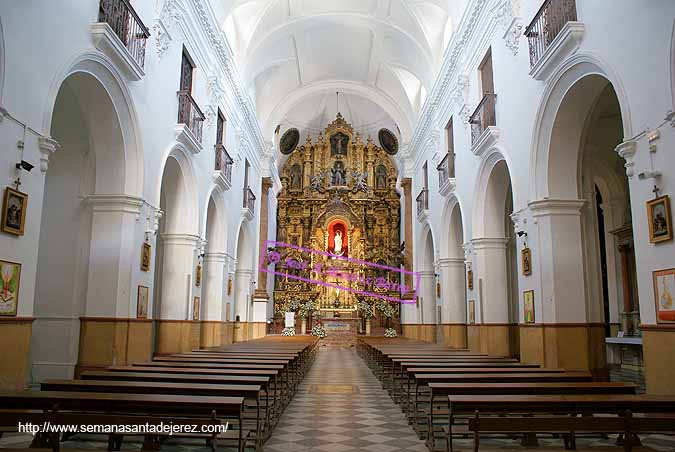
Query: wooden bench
574,404
115,409
249,392
438,409
627,426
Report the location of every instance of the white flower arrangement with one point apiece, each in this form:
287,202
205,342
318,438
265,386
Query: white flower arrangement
288,331
390,332
306,309
365,308
319,331
386,309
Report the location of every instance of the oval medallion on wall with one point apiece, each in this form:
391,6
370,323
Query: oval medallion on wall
289,141
388,141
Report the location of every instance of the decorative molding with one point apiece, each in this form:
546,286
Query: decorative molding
115,203
513,34
188,139
162,37
563,46
110,44
505,13
448,186
488,139
626,151
47,147
484,243
549,207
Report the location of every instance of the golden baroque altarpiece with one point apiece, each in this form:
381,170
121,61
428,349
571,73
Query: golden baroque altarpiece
339,196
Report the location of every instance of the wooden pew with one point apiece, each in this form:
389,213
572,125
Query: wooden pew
439,392
123,407
249,392
573,404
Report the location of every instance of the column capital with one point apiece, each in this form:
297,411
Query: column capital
215,257
483,243
266,184
445,262
180,239
549,207
626,151
47,147
115,203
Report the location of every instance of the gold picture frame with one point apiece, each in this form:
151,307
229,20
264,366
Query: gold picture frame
528,306
195,308
526,261
472,312
198,276
142,302
659,219
146,254
229,286
14,209
10,272
664,292
469,279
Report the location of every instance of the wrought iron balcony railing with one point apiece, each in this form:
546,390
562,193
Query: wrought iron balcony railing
483,117
446,169
422,201
249,200
546,25
126,24
223,162
190,114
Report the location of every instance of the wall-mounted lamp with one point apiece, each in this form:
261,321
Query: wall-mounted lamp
521,234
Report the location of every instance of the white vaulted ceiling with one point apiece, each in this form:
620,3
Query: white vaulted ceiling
381,55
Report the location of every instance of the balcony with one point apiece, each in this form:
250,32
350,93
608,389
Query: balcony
190,120
553,35
223,167
249,204
122,36
422,204
483,121
446,174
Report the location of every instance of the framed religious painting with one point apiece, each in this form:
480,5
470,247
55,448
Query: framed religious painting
142,302
528,306
229,286
198,276
526,260
660,221
664,291
146,252
195,308
472,312
9,293
14,211
469,279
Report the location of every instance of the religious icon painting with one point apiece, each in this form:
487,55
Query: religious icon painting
229,286
526,260
146,252
198,276
195,308
9,293
660,221
14,211
664,291
472,312
142,302
528,306
469,279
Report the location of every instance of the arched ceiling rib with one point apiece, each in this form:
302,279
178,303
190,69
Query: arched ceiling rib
383,55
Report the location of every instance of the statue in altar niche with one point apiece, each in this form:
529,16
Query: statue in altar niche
381,177
338,174
338,144
296,177
360,181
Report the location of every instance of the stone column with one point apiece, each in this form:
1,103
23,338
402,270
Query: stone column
242,285
427,327
212,333
176,332
453,298
492,300
110,334
261,291
409,311
568,340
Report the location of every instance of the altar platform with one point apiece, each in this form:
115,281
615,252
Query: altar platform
340,331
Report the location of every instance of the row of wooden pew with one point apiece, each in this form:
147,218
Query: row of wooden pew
246,385
446,393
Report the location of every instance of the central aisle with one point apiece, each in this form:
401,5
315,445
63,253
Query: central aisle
341,406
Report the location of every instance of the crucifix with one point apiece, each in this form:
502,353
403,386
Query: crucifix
656,191
16,183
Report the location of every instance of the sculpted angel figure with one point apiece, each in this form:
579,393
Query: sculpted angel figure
360,180
316,181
